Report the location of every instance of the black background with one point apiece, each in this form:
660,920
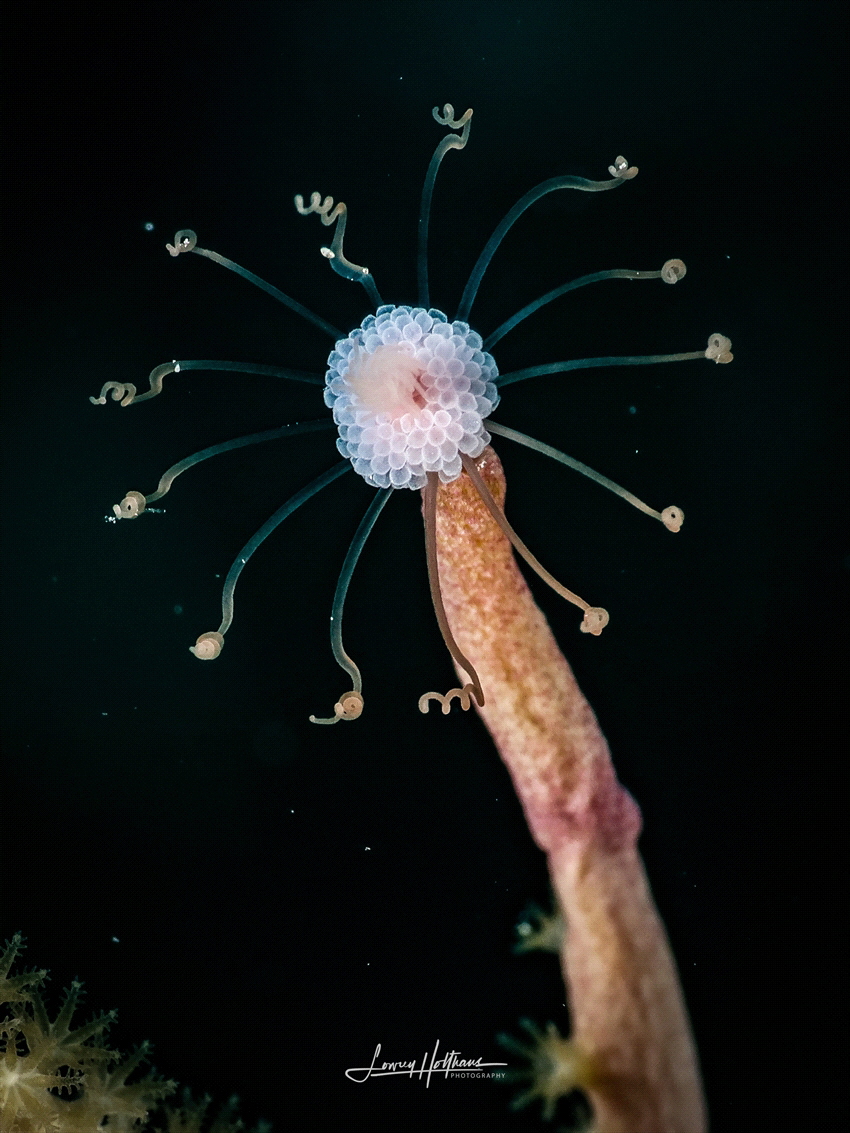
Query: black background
267,900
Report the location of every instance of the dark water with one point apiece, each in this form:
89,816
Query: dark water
266,900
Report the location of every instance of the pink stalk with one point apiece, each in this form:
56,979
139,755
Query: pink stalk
631,1049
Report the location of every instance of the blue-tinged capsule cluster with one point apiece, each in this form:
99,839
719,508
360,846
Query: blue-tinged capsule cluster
410,392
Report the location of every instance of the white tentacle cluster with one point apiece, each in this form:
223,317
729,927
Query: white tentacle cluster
410,392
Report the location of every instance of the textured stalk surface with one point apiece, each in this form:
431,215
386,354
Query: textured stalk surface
630,1025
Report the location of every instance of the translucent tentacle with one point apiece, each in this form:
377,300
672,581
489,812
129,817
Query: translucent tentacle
186,241
125,392
338,215
134,503
451,141
671,272
717,351
595,618
620,172
202,648
672,517
350,704
429,493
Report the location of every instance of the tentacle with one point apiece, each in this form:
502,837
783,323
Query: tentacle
330,214
672,517
350,705
216,637
451,141
718,350
429,493
134,503
445,699
620,172
187,241
125,392
671,272
595,617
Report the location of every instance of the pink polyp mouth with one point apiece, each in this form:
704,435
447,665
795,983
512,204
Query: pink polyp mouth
388,381
410,392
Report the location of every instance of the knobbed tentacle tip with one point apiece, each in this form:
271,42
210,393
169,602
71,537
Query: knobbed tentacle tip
673,271
124,392
348,707
594,621
184,241
719,349
208,646
131,506
672,518
622,170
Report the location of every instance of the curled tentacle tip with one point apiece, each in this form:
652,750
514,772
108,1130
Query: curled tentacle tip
461,694
322,207
594,621
314,205
447,118
184,241
673,271
131,506
208,646
719,349
672,518
622,170
348,707
124,392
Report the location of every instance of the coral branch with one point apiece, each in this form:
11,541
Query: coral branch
631,1033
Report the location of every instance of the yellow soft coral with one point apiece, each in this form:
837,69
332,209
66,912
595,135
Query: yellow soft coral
189,1118
55,1079
557,1066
